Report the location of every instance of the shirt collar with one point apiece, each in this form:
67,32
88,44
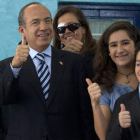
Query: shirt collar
139,90
33,52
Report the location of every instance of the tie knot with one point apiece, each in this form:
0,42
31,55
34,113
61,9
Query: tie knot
40,56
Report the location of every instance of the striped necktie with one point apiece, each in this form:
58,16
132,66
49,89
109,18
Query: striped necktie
44,75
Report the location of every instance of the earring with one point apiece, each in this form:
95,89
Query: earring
61,45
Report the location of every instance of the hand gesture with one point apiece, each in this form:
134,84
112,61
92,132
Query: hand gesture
21,54
124,117
74,45
94,92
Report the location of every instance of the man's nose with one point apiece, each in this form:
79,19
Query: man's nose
43,25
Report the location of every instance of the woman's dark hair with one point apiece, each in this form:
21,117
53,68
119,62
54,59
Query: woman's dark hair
89,45
104,68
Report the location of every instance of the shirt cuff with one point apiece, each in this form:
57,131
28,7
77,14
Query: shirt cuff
15,71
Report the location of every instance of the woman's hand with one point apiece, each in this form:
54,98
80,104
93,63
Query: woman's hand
94,92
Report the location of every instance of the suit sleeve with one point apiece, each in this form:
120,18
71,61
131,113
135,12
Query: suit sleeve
115,131
2,132
85,106
8,84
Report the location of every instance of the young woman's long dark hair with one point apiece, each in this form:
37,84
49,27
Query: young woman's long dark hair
105,69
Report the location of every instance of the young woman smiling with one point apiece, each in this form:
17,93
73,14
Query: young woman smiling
114,65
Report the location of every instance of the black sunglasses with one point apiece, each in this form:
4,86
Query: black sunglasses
72,27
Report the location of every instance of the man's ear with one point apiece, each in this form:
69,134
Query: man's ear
21,30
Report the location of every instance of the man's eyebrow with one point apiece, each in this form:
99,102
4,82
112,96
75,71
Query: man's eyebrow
34,20
48,18
39,19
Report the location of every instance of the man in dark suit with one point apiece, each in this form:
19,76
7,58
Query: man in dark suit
116,131
61,110
125,120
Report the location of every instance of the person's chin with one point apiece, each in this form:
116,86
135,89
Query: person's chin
44,44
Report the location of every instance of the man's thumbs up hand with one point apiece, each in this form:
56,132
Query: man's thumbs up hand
21,54
124,117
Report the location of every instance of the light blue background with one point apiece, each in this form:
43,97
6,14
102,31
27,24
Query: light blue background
9,10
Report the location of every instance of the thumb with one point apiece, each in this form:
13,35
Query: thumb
76,36
23,40
88,81
122,107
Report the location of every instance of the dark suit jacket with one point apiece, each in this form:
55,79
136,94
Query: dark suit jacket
89,65
132,104
68,113
89,72
5,113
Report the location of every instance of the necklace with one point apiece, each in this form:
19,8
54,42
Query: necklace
127,80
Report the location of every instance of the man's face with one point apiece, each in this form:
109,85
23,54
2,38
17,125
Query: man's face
38,27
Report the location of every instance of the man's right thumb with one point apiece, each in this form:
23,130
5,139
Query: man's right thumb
122,107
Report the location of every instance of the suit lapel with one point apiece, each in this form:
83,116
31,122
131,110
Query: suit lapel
134,105
57,68
30,72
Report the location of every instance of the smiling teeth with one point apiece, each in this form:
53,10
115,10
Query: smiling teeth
69,37
122,56
43,35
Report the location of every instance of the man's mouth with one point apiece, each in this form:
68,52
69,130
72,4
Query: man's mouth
43,35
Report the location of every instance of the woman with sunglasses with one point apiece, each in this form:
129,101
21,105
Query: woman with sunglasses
114,65
72,33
